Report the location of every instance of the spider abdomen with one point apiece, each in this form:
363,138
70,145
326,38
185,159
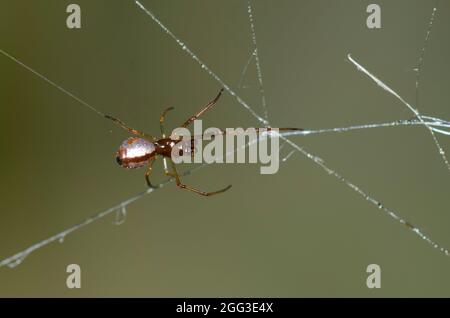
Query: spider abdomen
135,153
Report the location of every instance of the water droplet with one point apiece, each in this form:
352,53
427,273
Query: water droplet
18,260
121,215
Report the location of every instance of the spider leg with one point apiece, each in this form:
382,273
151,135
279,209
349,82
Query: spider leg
166,169
129,129
204,109
161,120
148,172
183,186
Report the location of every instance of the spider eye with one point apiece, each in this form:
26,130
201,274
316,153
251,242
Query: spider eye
119,161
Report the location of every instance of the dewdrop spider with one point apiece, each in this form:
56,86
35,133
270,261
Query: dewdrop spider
136,152
143,150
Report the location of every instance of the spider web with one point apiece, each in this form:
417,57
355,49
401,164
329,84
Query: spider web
432,124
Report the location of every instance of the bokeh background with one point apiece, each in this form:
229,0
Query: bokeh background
298,233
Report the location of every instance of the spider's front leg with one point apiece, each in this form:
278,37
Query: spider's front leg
204,109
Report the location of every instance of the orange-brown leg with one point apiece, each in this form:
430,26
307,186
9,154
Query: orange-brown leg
161,120
204,109
183,186
148,172
129,129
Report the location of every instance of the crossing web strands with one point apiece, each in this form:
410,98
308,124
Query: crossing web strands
432,124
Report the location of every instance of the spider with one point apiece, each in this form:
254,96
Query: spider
140,151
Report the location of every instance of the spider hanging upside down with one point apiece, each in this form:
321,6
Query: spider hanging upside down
136,152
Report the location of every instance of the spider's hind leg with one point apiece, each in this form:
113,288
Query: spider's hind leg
147,174
129,129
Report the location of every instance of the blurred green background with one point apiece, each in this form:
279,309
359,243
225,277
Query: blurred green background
297,233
